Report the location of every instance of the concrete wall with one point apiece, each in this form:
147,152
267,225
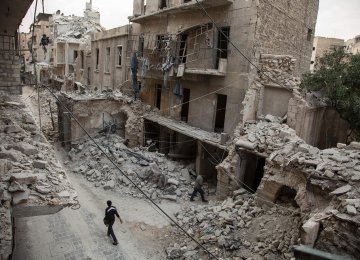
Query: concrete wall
287,28
117,73
323,45
202,112
10,73
318,126
92,114
257,27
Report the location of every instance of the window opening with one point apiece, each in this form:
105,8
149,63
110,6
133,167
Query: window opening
185,105
107,60
97,58
158,96
119,50
220,113
222,45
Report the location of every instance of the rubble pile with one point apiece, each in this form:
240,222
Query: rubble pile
326,181
137,163
75,28
238,229
279,69
30,174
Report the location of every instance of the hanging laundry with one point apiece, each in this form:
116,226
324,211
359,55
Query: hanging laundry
178,89
144,70
166,69
134,71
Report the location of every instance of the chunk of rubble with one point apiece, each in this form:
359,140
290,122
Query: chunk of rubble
341,190
40,164
20,197
24,177
351,210
15,186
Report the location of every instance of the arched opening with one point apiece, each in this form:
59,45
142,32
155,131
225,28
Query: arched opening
286,197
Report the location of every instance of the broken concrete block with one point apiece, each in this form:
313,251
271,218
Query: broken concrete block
10,156
351,210
340,145
170,197
42,189
20,197
309,232
15,186
5,166
40,164
341,190
24,177
109,185
64,194
245,144
173,181
329,174
25,148
355,145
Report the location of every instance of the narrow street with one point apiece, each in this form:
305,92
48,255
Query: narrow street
81,234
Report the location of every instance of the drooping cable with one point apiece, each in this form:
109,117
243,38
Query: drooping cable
127,177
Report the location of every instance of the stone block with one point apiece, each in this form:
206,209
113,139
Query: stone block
309,232
64,194
173,181
341,190
355,145
109,185
25,148
20,197
24,177
40,164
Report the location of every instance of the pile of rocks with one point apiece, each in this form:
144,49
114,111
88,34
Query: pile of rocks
87,159
237,229
29,171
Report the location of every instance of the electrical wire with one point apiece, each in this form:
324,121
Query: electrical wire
128,178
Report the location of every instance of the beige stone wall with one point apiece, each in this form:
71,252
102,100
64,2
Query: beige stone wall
323,45
287,28
92,113
116,75
317,125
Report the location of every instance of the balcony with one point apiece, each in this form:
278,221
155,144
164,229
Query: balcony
181,8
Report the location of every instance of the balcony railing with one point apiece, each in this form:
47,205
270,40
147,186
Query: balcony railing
184,7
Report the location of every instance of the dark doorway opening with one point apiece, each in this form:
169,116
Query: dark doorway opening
185,105
286,196
152,135
222,44
88,76
254,171
158,96
220,113
163,4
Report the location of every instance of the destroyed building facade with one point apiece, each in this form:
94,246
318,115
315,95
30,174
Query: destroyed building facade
186,67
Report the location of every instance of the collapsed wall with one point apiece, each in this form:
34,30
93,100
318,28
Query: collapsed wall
32,181
106,112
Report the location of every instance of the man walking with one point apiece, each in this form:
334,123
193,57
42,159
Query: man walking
198,188
110,213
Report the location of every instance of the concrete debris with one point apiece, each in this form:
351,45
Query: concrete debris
240,227
25,179
161,179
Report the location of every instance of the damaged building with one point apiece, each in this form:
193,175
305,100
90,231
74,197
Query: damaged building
32,182
190,70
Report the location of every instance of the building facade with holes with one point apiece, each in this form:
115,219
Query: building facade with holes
197,60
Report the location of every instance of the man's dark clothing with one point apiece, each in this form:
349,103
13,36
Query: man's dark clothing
110,213
198,188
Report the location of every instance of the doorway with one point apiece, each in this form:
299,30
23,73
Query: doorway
185,105
158,89
220,113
